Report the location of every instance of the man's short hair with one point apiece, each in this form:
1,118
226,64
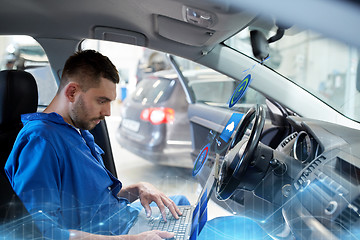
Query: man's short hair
88,66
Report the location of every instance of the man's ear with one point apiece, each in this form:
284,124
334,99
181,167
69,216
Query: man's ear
71,91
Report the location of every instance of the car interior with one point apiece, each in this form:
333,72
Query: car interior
292,164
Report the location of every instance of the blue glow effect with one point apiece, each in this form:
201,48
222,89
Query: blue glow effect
201,159
231,126
240,91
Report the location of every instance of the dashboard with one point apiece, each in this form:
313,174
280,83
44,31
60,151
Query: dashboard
315,195
306,186
326,180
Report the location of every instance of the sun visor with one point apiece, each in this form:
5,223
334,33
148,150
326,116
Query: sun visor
119,35
174,30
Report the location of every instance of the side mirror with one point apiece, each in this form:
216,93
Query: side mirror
259,44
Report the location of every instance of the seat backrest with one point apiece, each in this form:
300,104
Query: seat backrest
18,95
101,136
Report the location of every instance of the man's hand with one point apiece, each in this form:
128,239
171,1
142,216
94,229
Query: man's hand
148,194
152,235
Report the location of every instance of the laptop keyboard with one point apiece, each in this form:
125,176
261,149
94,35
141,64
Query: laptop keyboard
178,226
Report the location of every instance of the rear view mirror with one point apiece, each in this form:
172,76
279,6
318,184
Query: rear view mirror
259,44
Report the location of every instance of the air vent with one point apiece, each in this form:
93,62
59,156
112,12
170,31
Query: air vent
350,215
288,139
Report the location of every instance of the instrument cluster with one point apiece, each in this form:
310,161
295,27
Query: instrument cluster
301,146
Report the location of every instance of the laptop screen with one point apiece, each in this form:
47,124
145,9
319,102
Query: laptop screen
200,211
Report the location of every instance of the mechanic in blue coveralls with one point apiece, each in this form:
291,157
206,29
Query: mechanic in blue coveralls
56,168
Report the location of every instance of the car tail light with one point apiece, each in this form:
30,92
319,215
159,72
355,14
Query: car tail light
158,115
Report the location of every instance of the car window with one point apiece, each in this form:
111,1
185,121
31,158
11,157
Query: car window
153,90
24,53
133,63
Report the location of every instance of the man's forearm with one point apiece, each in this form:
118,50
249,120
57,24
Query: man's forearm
75,235
153,235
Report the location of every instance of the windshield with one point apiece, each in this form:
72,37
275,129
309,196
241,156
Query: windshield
326,68
210,87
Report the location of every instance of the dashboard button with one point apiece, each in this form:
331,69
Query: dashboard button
331,208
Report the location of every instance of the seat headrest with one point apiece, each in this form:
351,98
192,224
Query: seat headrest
18,95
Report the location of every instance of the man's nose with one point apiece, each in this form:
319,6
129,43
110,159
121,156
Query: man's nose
106,110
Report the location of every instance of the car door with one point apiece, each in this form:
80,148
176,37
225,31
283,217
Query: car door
213,121
209,93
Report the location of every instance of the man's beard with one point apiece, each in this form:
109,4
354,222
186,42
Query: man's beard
79,116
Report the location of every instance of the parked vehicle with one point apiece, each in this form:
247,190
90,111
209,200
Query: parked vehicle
154,121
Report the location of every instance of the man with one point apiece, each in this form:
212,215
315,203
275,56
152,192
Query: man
56,168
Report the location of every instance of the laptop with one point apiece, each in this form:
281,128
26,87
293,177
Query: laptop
189,224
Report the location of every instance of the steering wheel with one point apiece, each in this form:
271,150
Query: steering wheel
240,152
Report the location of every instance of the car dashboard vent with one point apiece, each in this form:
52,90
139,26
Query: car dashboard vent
286,145
288,139
350,215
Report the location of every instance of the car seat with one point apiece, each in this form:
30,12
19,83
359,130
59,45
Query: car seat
18,95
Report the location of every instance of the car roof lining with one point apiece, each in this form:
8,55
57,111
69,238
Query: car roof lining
77,19
80,19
